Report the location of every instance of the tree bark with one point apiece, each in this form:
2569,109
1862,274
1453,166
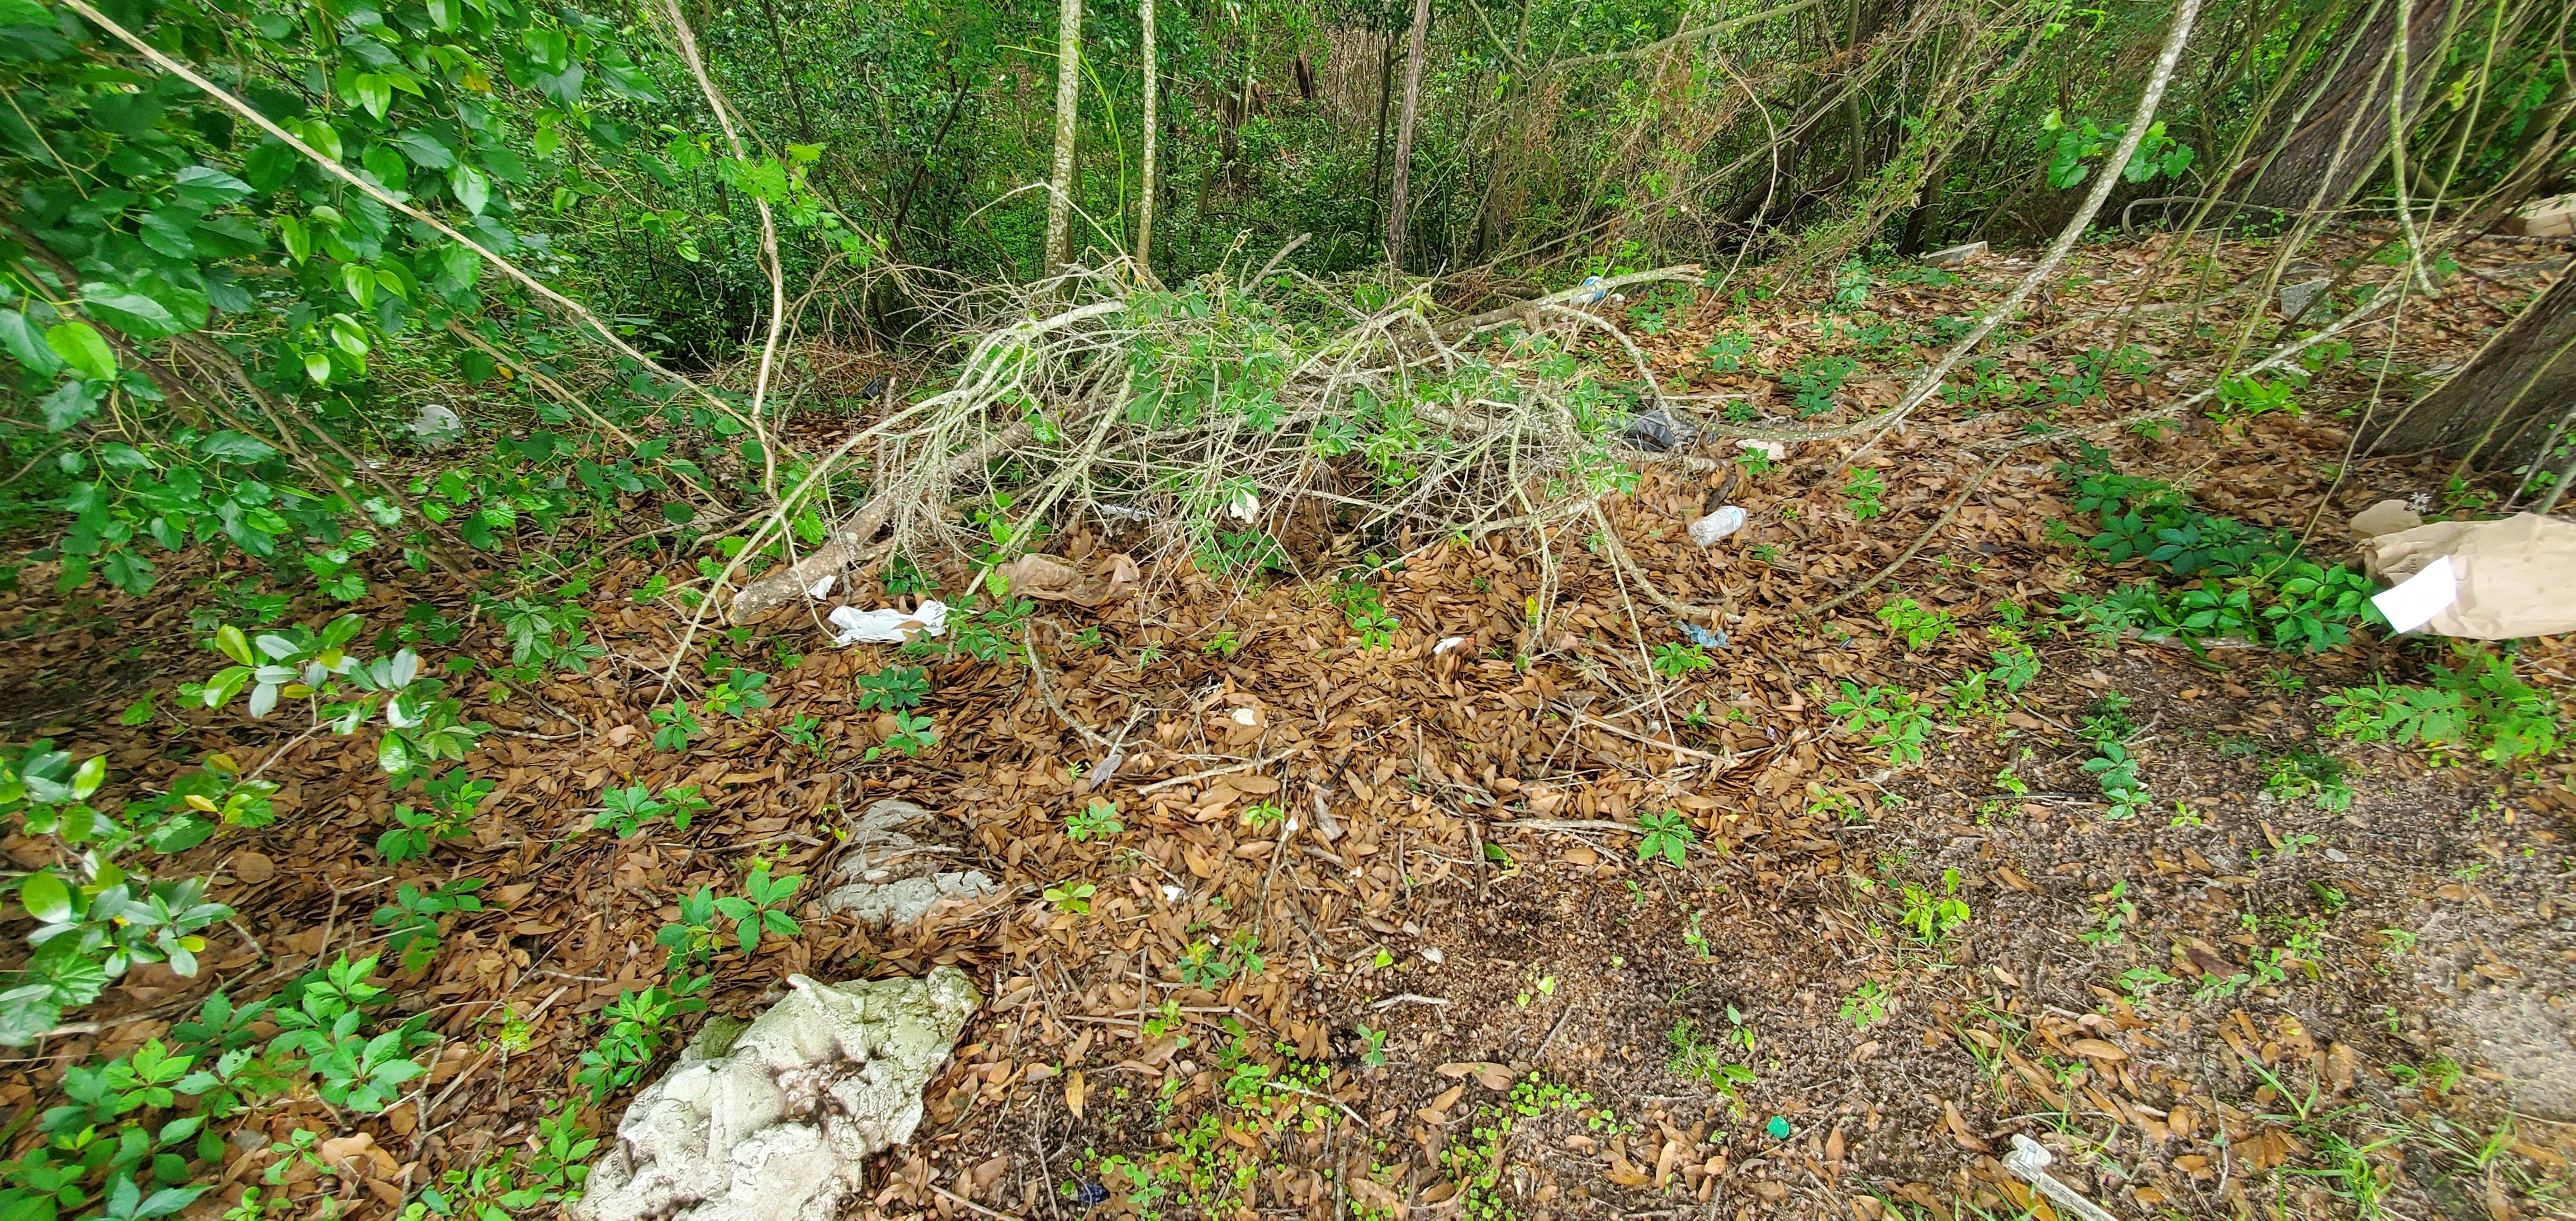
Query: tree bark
2499,409
1145,206
1068,98
2332,128
1403,179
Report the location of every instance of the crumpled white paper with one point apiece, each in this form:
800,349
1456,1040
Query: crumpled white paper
888,625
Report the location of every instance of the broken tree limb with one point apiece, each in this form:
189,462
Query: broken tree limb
848,545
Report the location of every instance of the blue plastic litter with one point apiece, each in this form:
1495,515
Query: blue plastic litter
1590,291
1091,1193
1703,637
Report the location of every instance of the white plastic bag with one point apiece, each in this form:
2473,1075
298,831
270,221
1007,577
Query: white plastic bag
888,625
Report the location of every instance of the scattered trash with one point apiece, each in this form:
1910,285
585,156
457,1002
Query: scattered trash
1773,450
1656,432
1090,1194
888,625
1779,1125
1707,530
1051,578
1957,256
1447,643
2386,517
1703,637
2301,285
437,426
1245,507
897,878
822,586
2478,580
1172,893
2551,217
775,1118
1590,291
2028,1161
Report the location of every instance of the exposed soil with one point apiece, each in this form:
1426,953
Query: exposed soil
2231,1003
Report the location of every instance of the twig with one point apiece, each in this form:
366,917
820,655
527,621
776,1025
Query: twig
1228,769
958,1199
1899,562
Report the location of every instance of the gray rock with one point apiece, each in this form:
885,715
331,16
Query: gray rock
896,879
1957,256
774,1120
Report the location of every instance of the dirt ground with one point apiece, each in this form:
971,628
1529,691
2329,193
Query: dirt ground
1379,936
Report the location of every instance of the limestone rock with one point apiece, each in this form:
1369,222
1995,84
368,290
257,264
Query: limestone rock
895,878
773,1121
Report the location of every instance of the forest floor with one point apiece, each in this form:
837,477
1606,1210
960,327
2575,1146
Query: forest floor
1480,989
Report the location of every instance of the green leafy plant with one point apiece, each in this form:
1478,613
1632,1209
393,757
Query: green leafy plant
2308,774
1717,1063
411,921
912,735
1866,1005
1098,820
1861,493
1668,835
1676,661
1931,916
1889,716
447,814
673,727
1367,615
759,909
629,809
1916,625
2482,707
1073,898
636,1025
893,688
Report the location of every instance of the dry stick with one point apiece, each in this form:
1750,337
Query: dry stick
368,188
1899,562
2105,180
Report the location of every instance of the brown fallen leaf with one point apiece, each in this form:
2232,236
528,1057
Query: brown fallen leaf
1074,1090
2098,1049
1448,1097
1054,579
1959,1129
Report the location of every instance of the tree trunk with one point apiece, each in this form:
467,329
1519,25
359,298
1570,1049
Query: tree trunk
2499,409
2330,131
1395,218
1145,204
1385,94
1068,98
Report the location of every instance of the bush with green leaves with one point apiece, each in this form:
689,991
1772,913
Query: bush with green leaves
412,921
446,813
2481,708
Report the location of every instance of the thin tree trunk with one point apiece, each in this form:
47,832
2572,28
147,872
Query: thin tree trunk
787,71
1145,207
2496,408
1068,98
1385,94
1395,218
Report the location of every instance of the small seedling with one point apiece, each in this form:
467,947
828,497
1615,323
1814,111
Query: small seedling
912,735
1676,661
1934,917
1073,898
1865,1006
1862,492
1098,820
1668,835
893,689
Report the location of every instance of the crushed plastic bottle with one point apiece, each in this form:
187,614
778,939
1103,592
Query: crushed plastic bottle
1707,530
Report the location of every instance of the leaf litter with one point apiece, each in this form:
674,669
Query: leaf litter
1378,928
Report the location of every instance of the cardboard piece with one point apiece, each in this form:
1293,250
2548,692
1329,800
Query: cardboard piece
2513,578
2386,517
